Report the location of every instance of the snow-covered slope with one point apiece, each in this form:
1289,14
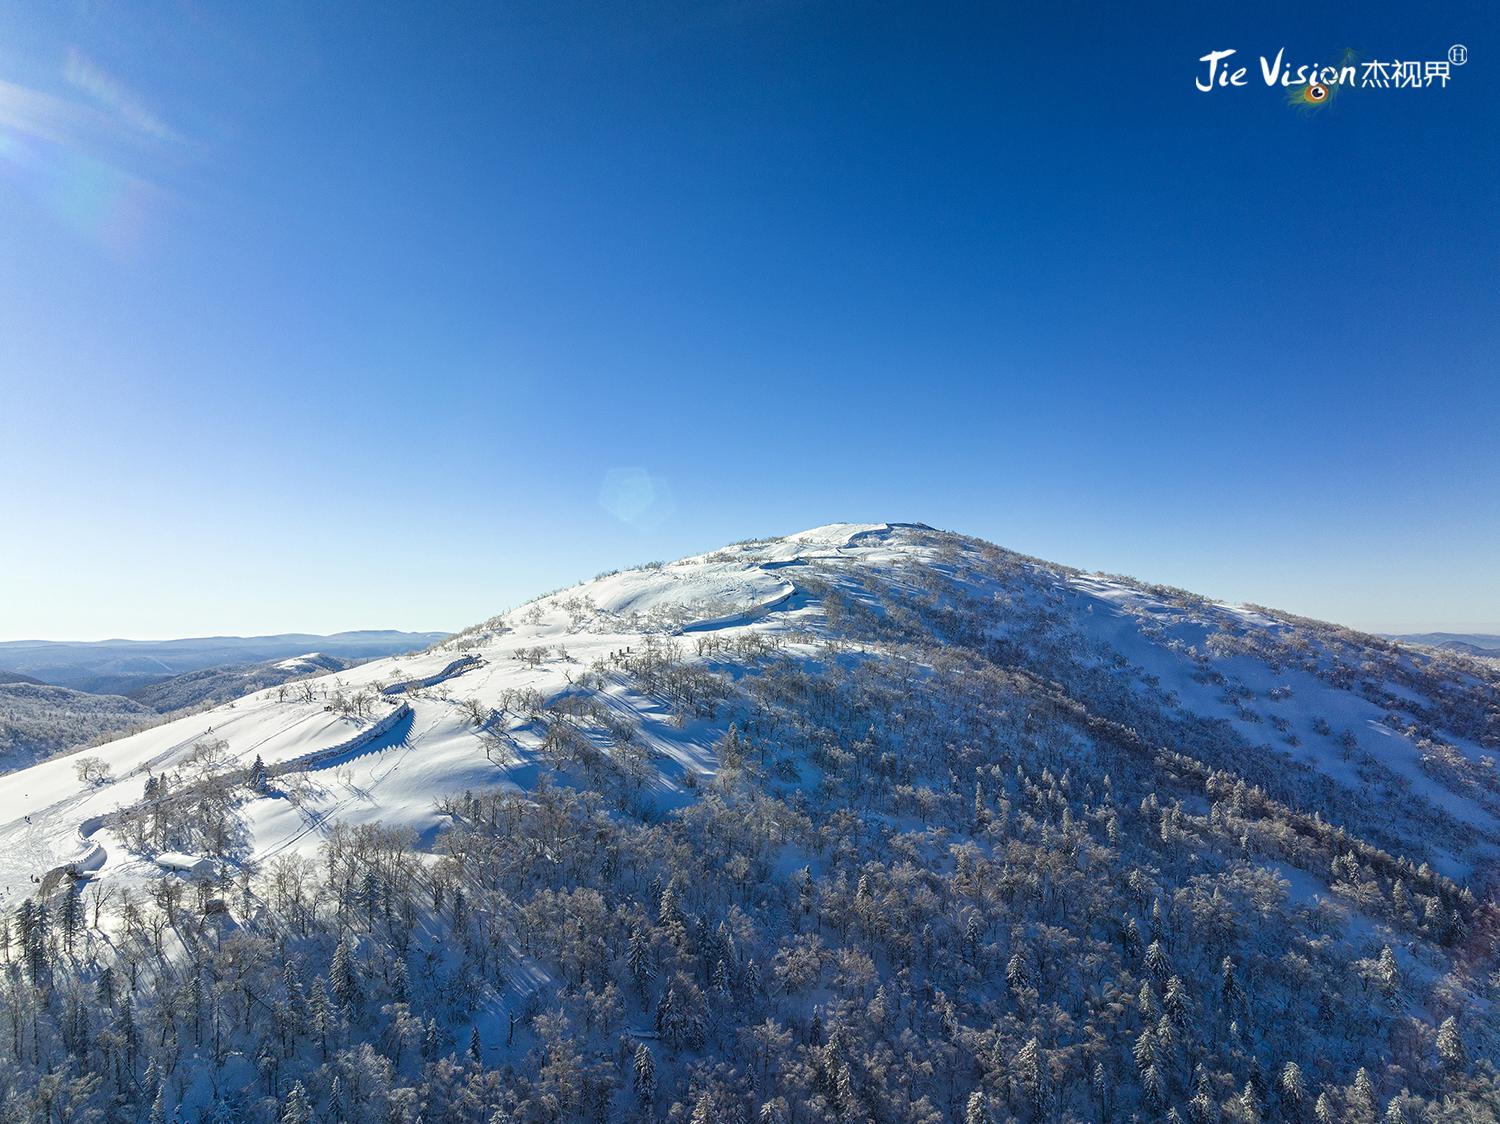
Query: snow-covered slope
38,719
867,822
1299,693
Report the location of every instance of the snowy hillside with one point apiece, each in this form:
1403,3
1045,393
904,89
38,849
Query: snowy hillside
1091,847
224,684
38,720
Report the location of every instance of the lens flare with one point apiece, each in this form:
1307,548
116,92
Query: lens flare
634,496
74,159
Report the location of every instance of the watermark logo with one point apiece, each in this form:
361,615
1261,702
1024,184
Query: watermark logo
1316,85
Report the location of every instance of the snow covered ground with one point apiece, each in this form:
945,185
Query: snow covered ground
445,744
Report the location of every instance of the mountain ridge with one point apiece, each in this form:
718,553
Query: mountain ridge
1085,846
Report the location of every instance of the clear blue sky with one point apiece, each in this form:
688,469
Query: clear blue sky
318,317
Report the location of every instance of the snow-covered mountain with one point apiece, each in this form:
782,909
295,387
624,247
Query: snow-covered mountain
782,815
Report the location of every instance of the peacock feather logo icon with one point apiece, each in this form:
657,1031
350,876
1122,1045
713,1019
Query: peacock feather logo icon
1320,95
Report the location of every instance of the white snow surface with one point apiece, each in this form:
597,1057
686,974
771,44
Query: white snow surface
49,818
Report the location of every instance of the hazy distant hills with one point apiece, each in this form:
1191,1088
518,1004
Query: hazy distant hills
1469,643
120,667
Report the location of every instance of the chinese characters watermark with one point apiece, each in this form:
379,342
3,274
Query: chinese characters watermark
1316,82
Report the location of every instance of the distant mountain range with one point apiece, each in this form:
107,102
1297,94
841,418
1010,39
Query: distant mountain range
121,667
1469,643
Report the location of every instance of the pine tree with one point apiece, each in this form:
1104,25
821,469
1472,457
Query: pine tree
291,982
400,984
1156,962
638,961
721,979
1166,1037
1153,1086
1359,1101
1144,1051
320,1009
34,943
1450,1046
1201,1109
667,909
844,1094
1175,1003
298,1107
1388,973
1146,1001
645,1075
1028,1070
476,1047
1016,973
70,919
129,1034
104,988
1323,1109
1231,994
1249,1105
1293,1087
770,1113
705,1110
977,1111
342,975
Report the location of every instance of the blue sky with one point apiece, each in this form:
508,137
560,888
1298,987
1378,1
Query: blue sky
318,317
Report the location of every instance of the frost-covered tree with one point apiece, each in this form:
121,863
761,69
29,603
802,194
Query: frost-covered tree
297,1109
645,1075
1450,1046
343,975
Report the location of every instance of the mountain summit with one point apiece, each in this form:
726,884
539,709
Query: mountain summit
867,822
